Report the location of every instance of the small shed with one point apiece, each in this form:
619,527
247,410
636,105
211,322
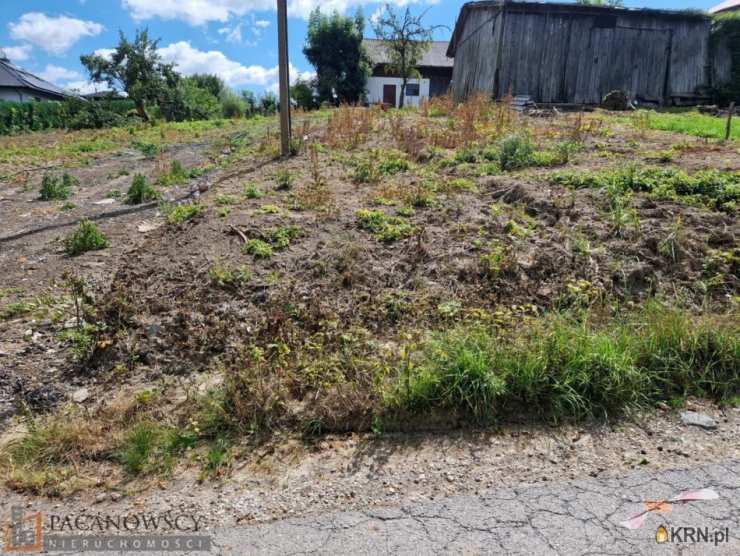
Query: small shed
573,53
19,85
435,70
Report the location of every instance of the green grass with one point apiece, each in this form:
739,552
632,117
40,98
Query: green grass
561,368
151,448
176,175
691,122
85,238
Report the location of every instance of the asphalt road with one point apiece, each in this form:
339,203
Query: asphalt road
568,518
563,518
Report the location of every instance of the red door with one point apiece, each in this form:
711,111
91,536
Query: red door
389,95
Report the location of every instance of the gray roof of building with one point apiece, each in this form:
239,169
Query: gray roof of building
435,57
726,6
13,76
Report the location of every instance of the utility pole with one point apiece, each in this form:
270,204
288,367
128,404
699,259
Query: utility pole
282,14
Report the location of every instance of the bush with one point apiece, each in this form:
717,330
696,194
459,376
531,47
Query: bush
515,152
85,238
140,191
232,106
56,187
188,101
73,113
181,213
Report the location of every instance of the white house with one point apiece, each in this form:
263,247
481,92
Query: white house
383,87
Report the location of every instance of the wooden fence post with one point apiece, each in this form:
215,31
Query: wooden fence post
728,130
282,14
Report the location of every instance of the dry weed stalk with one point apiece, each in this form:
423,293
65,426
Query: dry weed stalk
349,126
316,194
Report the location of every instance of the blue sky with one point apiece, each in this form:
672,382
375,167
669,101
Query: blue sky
235,38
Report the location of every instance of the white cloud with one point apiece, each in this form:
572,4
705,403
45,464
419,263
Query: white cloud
58,74
189,60
262,23
232,34
106,53
53,34
17,53
198,12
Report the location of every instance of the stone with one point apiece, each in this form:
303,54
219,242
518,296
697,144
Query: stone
80,395
102,497
695,419
616,100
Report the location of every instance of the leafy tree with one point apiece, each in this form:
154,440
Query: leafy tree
268,103
334,48
406,40
303,94
135,67
250,102
211,83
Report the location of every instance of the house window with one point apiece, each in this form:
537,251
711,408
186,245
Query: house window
412,89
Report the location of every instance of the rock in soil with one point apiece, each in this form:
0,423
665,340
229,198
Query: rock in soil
698,420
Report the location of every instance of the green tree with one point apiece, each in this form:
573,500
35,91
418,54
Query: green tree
135,67
250,101
211,83
303,94
406,40
268,103
334,48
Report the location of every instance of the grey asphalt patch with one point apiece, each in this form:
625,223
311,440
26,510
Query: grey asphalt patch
568,518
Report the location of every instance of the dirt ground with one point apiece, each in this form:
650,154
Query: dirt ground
175,322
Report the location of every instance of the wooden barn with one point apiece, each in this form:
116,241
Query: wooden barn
571,53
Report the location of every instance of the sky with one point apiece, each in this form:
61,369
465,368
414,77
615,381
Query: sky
236,39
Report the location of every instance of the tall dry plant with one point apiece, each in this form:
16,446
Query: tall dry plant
316,194
349,127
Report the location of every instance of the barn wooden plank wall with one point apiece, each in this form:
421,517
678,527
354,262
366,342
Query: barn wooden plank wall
557,53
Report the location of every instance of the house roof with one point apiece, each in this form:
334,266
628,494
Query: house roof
562,8
15,77
435,57
726,6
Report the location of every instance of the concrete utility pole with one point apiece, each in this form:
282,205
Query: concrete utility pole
282,14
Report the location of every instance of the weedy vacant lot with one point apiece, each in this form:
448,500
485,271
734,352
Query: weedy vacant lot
456,266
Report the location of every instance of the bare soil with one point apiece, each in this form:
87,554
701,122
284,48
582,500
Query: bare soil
167,323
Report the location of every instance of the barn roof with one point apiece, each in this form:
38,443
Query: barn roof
15,77
726,6
435,57
558,8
